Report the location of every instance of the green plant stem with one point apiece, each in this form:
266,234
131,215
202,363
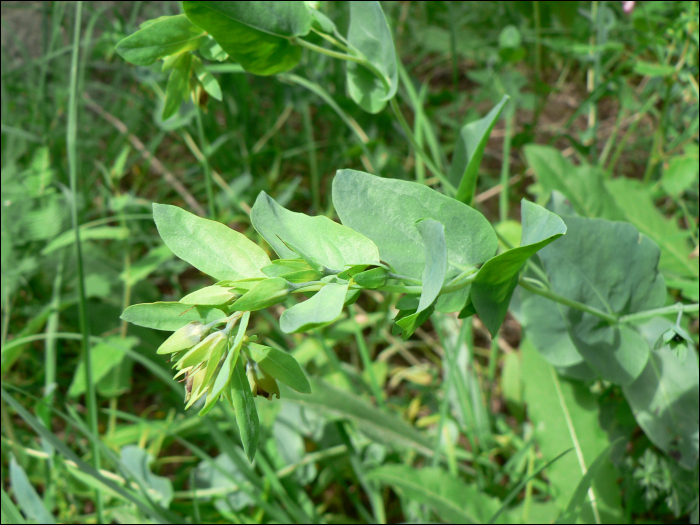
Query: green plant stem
505,166
367,361
449,188
71,143
566,302
334,54
204,148
666,310
313,159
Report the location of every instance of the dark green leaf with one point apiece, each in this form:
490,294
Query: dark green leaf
169,35
209,246
369,33
386,211
372,279
494,284
612,267
169,316
322,309
280,365
255,34
664,400
469,150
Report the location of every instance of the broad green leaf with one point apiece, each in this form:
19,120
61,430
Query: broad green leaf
375,423
27,498
280,365
565,415
582,185
210,295
116,233
320,310
208,81
469,150
409,321
638,207
169,35
246,413
612,267
369,33
664,400
209,246
266,293
255,34
494,284
451,498
546,329
136,461
178,85
386,211
435,249
105,355
331,244
169,316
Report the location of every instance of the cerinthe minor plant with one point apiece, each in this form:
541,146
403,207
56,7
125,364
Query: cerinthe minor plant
586,300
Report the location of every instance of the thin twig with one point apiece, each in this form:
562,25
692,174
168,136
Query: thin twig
155,164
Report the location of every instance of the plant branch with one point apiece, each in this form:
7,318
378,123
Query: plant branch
566,302
671,309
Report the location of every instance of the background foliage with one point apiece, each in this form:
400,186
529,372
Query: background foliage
448,425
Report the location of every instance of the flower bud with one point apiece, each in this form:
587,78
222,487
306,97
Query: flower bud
372,279
184,338
261,383
203,350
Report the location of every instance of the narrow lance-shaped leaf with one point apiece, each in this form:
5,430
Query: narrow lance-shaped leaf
329,243
369,33
469,150
266,293
178,85
280,365
255,34
246,413
209,246
493,286
565,415
169,316
320,310
451,498
168,35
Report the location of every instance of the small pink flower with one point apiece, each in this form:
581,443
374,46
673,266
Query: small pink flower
627,7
